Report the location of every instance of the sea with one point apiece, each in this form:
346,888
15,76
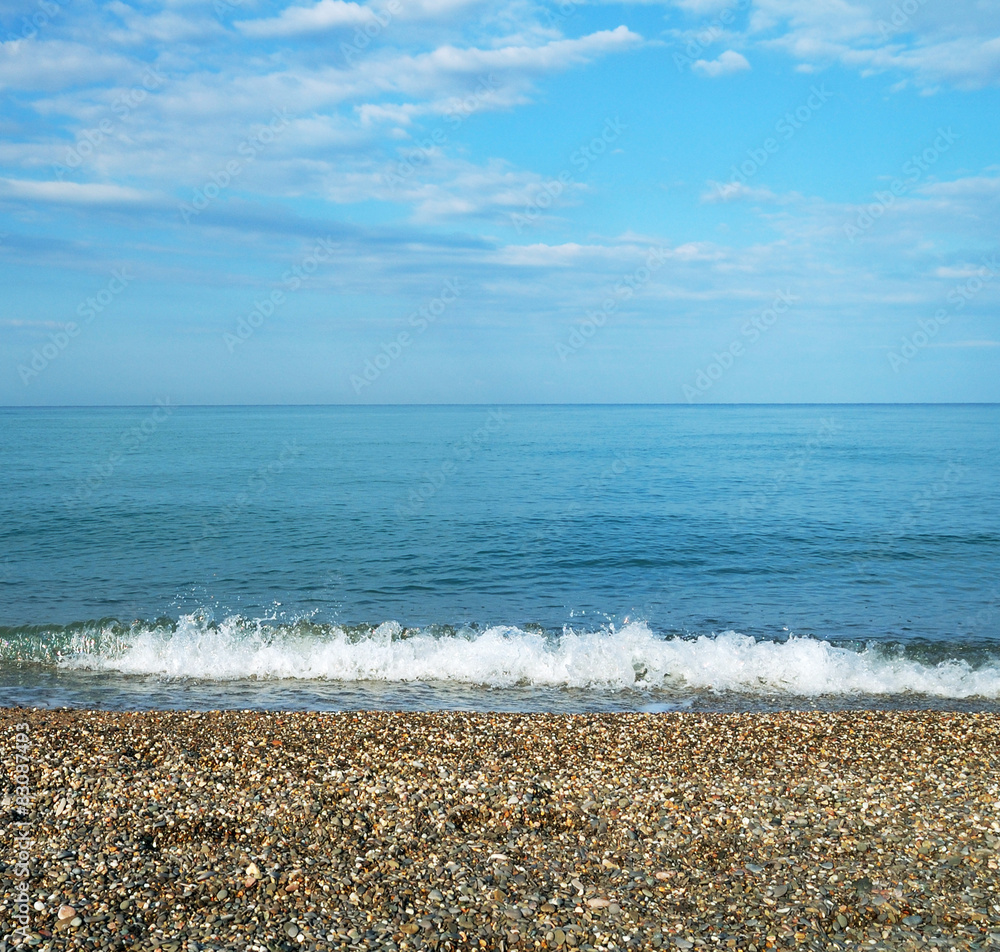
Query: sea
522,558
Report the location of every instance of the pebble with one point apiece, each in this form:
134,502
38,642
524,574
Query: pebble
236,830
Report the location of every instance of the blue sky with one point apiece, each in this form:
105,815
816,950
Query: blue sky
246,201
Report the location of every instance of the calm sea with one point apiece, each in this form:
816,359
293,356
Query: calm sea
558,558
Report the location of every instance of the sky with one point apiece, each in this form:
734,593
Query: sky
454,201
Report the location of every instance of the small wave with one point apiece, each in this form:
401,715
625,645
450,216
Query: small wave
632,657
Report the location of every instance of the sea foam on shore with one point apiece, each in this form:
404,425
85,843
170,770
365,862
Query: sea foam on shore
630,657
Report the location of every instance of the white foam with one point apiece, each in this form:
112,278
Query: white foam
632,657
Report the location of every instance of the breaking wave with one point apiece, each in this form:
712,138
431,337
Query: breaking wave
628,658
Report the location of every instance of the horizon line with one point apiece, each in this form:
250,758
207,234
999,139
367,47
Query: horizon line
496,403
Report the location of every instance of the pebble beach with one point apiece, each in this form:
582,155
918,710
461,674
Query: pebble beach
276,831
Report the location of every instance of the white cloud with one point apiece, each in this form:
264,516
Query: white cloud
164,27
346,122
541,255
444,188
339,14
737,191
727,63
704,7
71,193
929,42
349,123
955,43
325,15
57,64
559,54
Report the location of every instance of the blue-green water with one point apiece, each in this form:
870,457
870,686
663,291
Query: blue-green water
501,557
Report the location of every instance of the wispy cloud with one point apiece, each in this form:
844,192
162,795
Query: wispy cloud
389,149
71,193
325,15
923,40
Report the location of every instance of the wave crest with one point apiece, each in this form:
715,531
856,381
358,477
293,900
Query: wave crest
632,657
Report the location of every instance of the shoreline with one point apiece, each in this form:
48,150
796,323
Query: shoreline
270,830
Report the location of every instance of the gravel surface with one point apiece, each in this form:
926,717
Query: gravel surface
188,831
